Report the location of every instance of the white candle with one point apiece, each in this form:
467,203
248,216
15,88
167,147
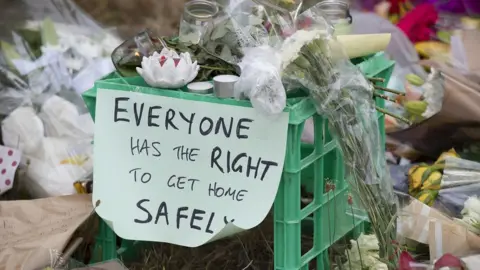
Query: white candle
200,87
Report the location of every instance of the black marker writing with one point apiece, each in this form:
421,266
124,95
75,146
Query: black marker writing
226,164
206,126
144,178
143,146
194,218
185,153
138,113
118,110
169,120
129,111
225,220
162,212
241,127
188,120
196,215
152,116
180,182
219,192
180,215
141,207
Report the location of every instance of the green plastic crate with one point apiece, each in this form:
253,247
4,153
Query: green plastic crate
328,217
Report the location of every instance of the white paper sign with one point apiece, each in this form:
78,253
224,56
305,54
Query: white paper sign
177,171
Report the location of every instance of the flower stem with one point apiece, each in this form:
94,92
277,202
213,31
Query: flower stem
389,90
217,68
403,119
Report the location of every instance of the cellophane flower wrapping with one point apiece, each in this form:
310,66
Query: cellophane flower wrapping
47,59
459,191
248,34
437,231
306,57
451,225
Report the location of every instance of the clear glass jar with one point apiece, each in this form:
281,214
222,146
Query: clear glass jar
338,13
196,18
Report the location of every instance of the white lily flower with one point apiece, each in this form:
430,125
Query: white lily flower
168,70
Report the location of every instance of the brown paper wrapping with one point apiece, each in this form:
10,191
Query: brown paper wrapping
471,39
427,225
34,232
110,265
449,237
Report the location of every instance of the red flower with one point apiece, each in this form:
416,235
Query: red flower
418,23
405,260
448,260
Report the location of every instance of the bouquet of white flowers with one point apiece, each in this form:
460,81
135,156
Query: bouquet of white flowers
312,61
44,67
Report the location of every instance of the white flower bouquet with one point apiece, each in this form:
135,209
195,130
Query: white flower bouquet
44,67
312,61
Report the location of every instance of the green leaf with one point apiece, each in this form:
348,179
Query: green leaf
219,32
226,54
10,53
49,34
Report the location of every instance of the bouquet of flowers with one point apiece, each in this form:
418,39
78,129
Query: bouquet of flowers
44,67
308,58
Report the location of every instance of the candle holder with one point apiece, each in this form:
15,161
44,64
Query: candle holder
128,56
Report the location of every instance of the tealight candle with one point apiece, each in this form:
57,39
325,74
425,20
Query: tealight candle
200,87
224,85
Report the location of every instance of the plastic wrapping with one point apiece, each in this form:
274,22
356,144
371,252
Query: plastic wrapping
344,96
248,33
460,181
53,56
261,81
451,224
314,62
443,235
433,92
242,24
